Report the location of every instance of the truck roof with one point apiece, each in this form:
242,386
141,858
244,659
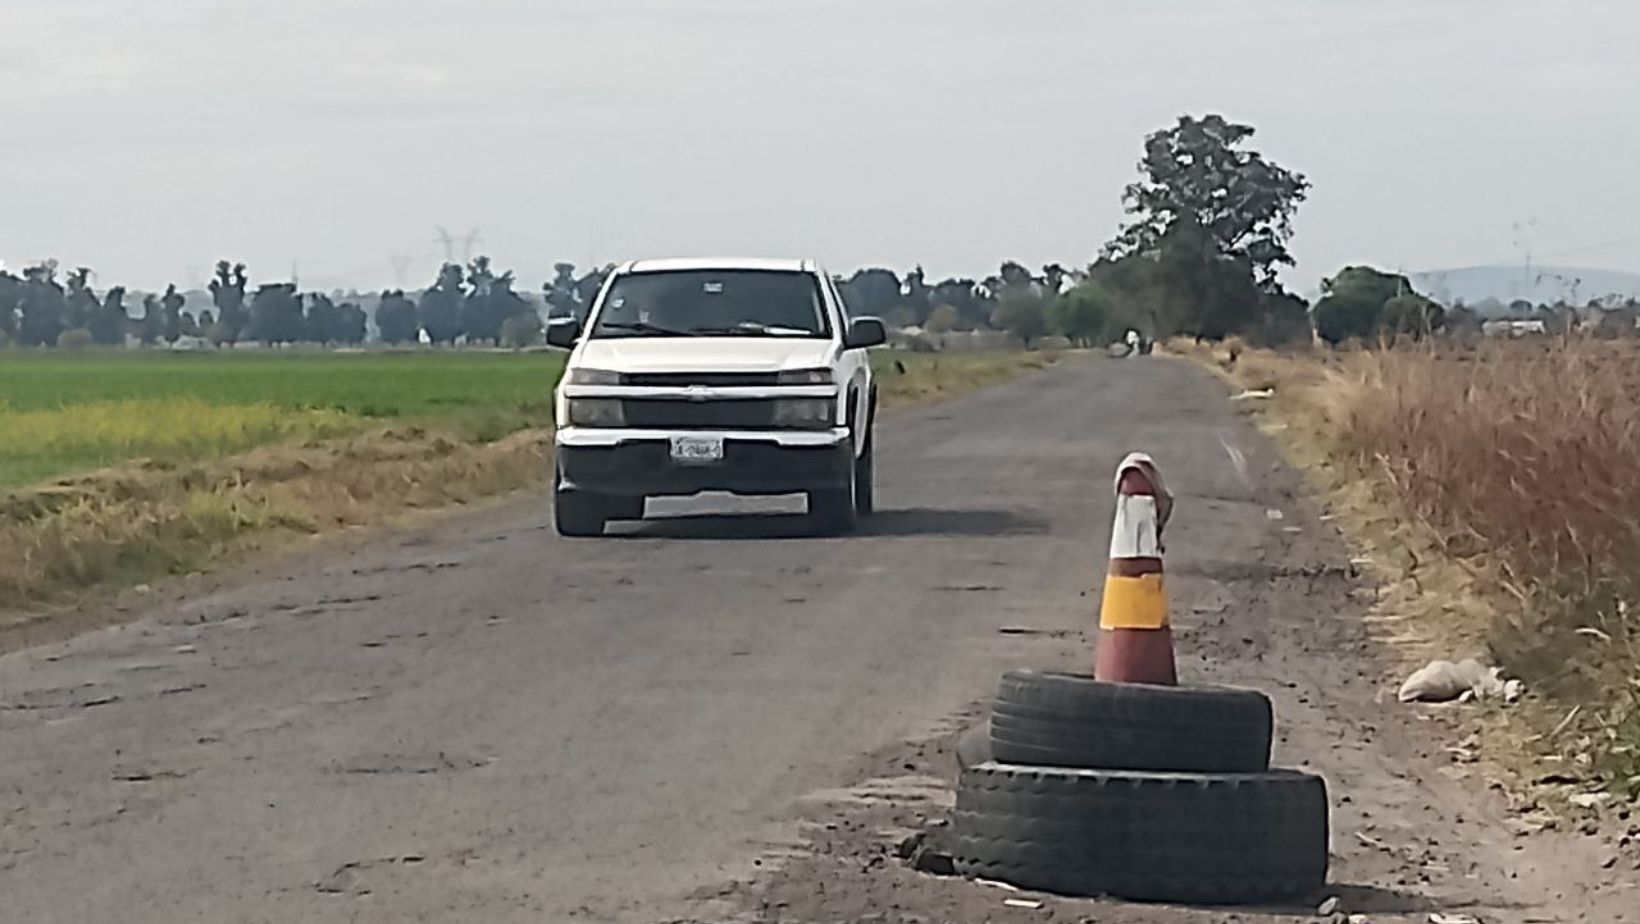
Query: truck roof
685,264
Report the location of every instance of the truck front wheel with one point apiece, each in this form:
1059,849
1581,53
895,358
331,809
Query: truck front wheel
577,515
835,511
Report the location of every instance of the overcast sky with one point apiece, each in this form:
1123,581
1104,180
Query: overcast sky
147,138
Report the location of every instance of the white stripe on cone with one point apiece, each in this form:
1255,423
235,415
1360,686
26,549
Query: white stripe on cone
1135,533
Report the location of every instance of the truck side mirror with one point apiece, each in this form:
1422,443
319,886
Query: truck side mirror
865,332
563,332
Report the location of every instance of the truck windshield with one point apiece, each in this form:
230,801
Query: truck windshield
713,303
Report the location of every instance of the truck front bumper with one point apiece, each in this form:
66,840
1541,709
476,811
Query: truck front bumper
755,462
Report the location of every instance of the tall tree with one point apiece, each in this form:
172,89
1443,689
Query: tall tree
276,315
323,321
81,305
228,294
171,305
915,298
1082,313
588,287
109,320
1210,212
872,292
11,300
440,307
562,292
479,319
1352,303
396,319
43,305
351,324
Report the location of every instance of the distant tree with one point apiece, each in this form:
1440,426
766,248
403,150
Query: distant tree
152,326
522,330
915,298
1054,277
351,324
322,322
943,320
873,292
177,324
1411,315
1023,314
1082,314
396,318
75,339
41,322
11,301
1352,303
440,307
479,319
81,306
109,319
1284,320
1214,218
228,294
964,297
276,315
562,292
587,288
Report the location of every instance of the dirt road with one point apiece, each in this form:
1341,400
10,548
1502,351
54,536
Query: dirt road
718,719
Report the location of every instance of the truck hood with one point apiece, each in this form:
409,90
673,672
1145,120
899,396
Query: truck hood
705,354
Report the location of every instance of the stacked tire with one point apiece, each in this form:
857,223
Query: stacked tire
1141,792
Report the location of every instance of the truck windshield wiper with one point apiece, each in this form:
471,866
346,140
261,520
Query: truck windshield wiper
644,327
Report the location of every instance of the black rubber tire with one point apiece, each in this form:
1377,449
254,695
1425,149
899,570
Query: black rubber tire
865,479
1068,720
833,512
577,515
1216,839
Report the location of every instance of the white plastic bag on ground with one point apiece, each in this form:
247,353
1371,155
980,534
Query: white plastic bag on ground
1444,681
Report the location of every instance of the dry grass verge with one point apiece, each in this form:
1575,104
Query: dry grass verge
1497,493
149,518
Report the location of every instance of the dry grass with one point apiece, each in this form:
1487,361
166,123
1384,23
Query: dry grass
39,443
1498,492
140,521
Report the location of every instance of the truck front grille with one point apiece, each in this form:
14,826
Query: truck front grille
721,414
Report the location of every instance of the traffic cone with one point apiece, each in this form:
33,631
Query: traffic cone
1135,641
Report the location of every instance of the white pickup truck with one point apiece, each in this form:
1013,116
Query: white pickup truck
744,376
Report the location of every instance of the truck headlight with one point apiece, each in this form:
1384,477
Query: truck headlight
596,412
805,413
805,377
594,377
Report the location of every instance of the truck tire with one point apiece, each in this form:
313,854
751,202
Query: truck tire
1067,720
577,515
833,511
1181,837
865,478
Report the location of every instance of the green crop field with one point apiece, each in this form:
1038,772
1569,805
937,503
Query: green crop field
61,414
64,413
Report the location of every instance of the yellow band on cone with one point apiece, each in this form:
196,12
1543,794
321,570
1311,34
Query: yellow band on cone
1134,603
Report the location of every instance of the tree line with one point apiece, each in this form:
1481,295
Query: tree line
1200,253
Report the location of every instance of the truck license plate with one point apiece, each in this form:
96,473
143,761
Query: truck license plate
697,450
